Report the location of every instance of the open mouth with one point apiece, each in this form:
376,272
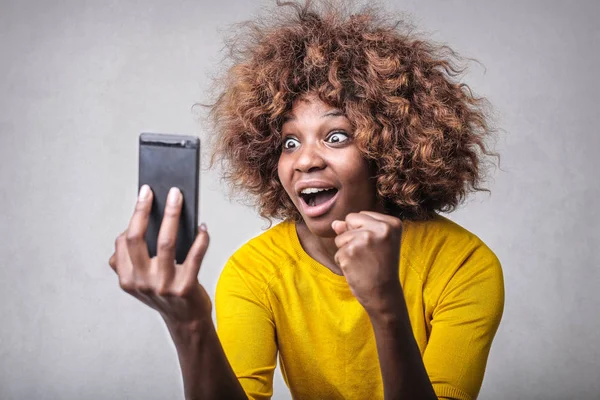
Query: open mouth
318,198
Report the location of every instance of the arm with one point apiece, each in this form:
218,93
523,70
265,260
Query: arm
239,362
402,369
245,323
205,370
174,291
368,255
465,319
464,323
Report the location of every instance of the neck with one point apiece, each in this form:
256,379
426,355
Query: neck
321,249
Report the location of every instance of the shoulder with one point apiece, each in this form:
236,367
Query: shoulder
438,231
429,240
446,255
260,260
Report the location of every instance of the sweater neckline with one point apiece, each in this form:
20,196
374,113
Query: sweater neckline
321,270
306,259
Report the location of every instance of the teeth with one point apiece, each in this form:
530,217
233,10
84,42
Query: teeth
313,190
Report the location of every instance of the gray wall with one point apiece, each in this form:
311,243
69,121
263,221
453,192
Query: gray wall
80,79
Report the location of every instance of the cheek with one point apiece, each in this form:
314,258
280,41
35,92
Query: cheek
283,174
358,173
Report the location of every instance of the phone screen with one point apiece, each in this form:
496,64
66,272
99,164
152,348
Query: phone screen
167,161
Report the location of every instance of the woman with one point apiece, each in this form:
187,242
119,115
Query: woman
354,133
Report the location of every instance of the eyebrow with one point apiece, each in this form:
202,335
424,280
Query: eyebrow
334,113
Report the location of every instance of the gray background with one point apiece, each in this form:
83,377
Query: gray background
80,79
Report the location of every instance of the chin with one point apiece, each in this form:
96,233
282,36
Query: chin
321,228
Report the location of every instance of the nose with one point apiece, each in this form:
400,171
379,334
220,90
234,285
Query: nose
309,158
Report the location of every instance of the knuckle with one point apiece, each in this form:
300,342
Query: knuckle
351,250
183,290
141,207
166,243
145,288
396,223
386,229
171,211
133,237
112,261
337,258
344,263
127,284
163,291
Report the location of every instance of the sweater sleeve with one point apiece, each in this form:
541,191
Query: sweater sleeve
464,323
246,330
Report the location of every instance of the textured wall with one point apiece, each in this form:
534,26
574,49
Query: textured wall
80,79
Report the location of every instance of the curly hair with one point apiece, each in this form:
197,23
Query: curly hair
422,130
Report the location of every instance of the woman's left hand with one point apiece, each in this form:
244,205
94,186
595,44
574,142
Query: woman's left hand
369,256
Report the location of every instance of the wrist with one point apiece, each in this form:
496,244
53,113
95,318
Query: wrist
188,333
389,305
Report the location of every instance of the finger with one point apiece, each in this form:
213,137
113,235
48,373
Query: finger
347,237
123,265
359,220
339,227
112,261
196,254
340,258
136,243
167,235
386,223
382,217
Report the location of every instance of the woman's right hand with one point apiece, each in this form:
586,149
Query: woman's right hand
173,290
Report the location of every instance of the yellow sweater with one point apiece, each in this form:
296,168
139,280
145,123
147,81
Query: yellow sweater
272,297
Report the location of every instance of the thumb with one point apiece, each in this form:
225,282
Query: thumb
339,227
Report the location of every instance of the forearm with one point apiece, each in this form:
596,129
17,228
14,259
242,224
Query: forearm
402,369
206,371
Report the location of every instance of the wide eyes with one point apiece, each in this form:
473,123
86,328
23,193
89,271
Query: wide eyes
338,137
290,143
334,138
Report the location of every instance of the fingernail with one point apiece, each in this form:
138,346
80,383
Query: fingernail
173,197
203,227
144,192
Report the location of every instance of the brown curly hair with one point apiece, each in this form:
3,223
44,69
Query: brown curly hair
422,131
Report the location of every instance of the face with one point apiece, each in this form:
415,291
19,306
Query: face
321,168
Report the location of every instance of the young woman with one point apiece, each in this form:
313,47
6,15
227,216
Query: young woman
354,132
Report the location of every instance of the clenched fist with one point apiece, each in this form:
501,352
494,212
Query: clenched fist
369,256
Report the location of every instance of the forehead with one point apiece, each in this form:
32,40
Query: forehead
311,106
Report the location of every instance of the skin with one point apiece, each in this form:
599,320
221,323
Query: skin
354,239
317,144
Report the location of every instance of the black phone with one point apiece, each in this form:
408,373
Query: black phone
167,161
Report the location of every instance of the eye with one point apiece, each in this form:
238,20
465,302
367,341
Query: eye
290,143
338,137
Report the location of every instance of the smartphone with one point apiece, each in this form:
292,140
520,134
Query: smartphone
167,161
